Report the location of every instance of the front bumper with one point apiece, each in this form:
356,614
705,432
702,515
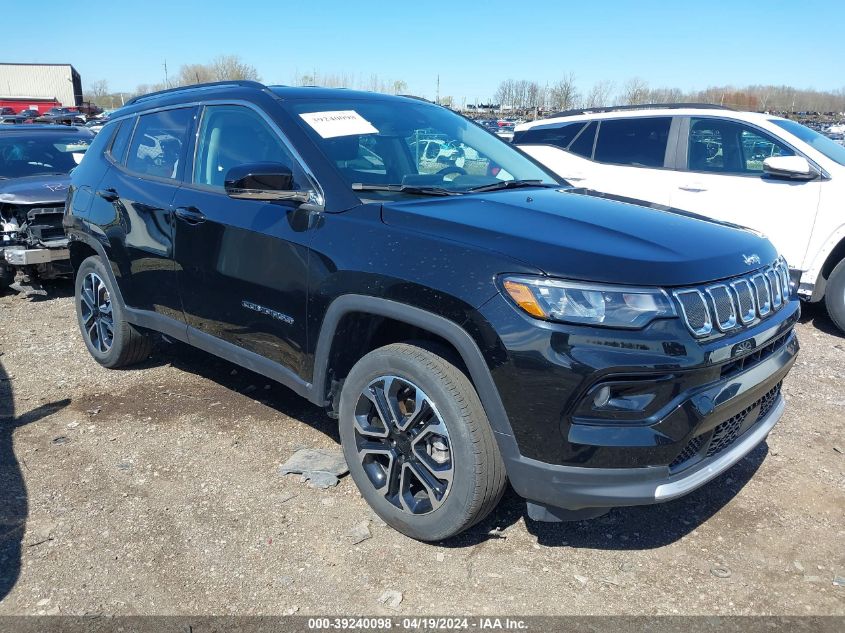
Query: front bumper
23,256
722,404
574,488
750,404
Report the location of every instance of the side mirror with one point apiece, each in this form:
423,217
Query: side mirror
789,168
263,181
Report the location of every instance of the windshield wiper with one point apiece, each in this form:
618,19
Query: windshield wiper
511,184
423,191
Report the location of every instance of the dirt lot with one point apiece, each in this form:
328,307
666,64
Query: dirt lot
156,490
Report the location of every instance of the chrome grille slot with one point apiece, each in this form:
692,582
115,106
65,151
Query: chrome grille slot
735,303
745,296
724,305
774,283
762,295
695,311
783,270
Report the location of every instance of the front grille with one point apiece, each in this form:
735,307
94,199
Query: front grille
745,298
725,434
722,437
755,357
774,283
735,303
692,449
725,309
695,311
761,293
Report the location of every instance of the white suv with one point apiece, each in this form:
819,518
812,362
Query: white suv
760,171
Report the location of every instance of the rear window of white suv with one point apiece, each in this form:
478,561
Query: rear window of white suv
639,142
819,142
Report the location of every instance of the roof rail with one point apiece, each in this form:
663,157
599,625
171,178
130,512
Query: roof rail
205,86
415,97
645,106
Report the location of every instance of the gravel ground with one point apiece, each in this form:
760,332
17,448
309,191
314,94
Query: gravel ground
155,490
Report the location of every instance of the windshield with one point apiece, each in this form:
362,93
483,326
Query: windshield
819,142
40,154
416,148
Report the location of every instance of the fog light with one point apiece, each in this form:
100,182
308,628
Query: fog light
606,399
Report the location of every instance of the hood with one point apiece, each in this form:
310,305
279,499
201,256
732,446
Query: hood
47,189
583,235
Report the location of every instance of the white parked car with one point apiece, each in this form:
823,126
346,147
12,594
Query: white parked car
761,171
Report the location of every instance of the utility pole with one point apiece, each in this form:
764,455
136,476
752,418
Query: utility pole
438,90
166,81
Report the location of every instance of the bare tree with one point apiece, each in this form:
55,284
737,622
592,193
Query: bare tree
98,88
599,95
143,89
505,94
372,82
535,96
195,74
664,95
231,67
634,92
563,95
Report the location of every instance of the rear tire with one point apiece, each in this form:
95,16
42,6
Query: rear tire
834,296
432,469
109,337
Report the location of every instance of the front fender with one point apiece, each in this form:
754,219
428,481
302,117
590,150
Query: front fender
452,332
812,280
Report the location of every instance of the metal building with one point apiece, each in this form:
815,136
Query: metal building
44,81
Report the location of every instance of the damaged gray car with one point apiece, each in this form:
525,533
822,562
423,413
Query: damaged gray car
35,163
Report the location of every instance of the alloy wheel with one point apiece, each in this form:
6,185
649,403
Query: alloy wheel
96,310
403,445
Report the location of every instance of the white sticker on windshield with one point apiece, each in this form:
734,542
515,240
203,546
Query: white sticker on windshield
338,123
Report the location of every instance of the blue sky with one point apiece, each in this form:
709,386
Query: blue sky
471,45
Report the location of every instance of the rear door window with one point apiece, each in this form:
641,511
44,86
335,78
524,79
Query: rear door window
584,141
559,135
121,140
158,144
638,142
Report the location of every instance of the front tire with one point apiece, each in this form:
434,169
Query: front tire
834,296
109,337
418,443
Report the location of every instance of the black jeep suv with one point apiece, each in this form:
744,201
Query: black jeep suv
467,317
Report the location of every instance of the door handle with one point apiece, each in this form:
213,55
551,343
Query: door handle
109,195
693,186
191,215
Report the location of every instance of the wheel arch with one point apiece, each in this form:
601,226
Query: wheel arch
833,256
440,328
81,247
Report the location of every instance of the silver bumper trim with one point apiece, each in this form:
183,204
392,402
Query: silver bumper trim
722,462
20,256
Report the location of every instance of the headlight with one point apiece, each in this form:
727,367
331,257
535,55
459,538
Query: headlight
593,304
